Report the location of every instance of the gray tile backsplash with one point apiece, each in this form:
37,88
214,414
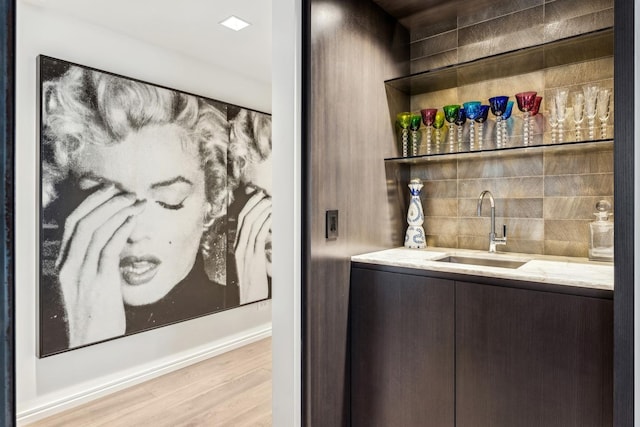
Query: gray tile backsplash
514,31
578,25
511,25
546,199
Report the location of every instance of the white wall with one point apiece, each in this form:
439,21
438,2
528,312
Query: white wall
636,239
47,385
287,152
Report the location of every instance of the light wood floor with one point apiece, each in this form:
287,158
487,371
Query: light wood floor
233,389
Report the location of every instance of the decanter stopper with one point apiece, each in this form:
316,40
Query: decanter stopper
415,238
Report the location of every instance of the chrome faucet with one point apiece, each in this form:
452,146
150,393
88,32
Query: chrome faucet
493,240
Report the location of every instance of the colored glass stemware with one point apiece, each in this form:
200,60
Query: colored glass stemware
498,106
414,125
404,119
437,124
428,117
461,118
534,112
505,117
482,117
526,102
472,110
450,114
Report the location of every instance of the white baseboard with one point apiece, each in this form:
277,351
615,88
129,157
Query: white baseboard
52,408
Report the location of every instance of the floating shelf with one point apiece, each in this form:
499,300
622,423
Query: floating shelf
595,144
585,47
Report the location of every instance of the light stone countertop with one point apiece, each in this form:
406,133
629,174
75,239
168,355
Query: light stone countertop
568,271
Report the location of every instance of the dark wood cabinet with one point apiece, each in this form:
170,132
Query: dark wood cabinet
529,358
402,354
436,350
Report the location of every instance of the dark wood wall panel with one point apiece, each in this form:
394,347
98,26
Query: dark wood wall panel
354,47
624,190
7,143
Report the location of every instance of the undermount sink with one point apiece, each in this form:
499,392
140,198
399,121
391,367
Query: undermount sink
487,262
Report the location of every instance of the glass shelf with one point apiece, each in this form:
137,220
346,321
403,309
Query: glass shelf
493,152
593,45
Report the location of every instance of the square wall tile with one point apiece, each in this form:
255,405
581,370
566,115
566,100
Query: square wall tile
442,170
424,27
573,208
442,241
597,70
562,10
520,187
566,248
508,208
579,185
509,32
495,11
441,226
434,61
439,207
433,45
506,166
572,230
440,189
575,162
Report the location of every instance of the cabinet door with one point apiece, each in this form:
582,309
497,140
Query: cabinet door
402,336
529,358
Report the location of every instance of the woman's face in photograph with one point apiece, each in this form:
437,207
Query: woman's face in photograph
157,164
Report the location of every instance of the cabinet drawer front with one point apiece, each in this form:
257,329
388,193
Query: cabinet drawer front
402,360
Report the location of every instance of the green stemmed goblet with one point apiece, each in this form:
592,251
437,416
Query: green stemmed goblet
450,114
404,119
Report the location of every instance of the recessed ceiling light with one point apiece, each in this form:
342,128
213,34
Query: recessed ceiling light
235,23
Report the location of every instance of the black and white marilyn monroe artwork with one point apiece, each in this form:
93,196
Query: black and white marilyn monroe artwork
155,206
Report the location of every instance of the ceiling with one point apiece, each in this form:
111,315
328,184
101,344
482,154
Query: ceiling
186,26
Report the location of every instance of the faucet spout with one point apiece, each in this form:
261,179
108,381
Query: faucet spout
493,240
491,200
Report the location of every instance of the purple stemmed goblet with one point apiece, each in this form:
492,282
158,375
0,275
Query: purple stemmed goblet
428,117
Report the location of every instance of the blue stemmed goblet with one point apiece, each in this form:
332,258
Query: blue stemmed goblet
461,118
498,106
482,117
505,117
472,110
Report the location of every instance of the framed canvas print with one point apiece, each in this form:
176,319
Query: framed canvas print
155,206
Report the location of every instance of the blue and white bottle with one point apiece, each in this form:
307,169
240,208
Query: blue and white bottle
415,238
